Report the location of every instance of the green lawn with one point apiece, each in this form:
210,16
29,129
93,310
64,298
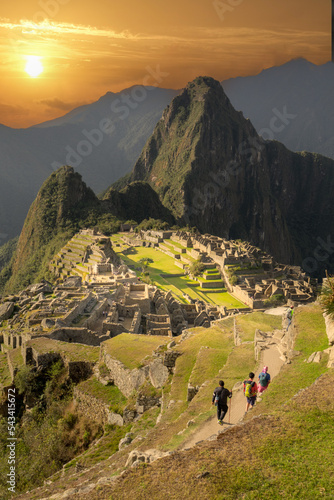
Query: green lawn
164,264
131,349
248,323
109,394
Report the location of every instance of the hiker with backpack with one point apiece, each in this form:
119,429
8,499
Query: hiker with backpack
264,380
250,391
289,316
219,398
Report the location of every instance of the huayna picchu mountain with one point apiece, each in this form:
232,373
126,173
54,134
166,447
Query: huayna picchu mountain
213,171
63,206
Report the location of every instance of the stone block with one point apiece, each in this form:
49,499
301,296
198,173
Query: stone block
6,310
158,373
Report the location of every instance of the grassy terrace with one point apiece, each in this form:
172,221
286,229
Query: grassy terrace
131,349
248,323
109,394
164,265
75,352
5,378
16,357
311,337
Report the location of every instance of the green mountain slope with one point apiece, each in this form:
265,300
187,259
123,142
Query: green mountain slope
63,206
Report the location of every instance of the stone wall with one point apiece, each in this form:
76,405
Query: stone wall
125,379
76,335
329,329
95,409
135,325
78,309
96,314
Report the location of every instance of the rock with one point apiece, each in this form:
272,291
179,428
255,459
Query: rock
190,423
315,357
47,323
329,329
73,282
204,474
191,393
124,442
136,457
6,310
158,373
25,301
171,344
44,287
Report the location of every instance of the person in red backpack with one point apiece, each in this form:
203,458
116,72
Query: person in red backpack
250,391
264,380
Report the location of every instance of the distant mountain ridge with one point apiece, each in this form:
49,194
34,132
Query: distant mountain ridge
304,90
101,141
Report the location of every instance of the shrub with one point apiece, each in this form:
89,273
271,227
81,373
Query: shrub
26,380
327,296
197,268
275,300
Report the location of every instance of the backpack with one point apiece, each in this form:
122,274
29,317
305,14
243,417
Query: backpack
263,379
248,388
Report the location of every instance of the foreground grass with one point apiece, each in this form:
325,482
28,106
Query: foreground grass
286,456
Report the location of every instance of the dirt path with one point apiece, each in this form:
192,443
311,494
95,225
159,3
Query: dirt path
269,357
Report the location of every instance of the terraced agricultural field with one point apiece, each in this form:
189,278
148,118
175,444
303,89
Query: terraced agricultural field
162,273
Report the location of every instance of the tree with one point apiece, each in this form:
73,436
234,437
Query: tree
145,261
197,268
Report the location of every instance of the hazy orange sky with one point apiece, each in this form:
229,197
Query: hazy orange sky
90,47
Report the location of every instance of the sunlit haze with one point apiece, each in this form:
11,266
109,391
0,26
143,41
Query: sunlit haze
80,50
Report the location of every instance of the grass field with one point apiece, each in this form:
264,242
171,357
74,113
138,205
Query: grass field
164,265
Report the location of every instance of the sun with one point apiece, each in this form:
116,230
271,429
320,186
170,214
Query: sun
34,66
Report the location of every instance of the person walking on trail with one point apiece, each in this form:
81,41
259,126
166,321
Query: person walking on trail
264,380
289,315
250,391
219,398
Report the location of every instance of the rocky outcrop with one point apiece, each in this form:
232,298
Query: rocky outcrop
6,310
329,329
158,373
137,457
126,380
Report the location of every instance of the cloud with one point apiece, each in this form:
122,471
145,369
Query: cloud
56,103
